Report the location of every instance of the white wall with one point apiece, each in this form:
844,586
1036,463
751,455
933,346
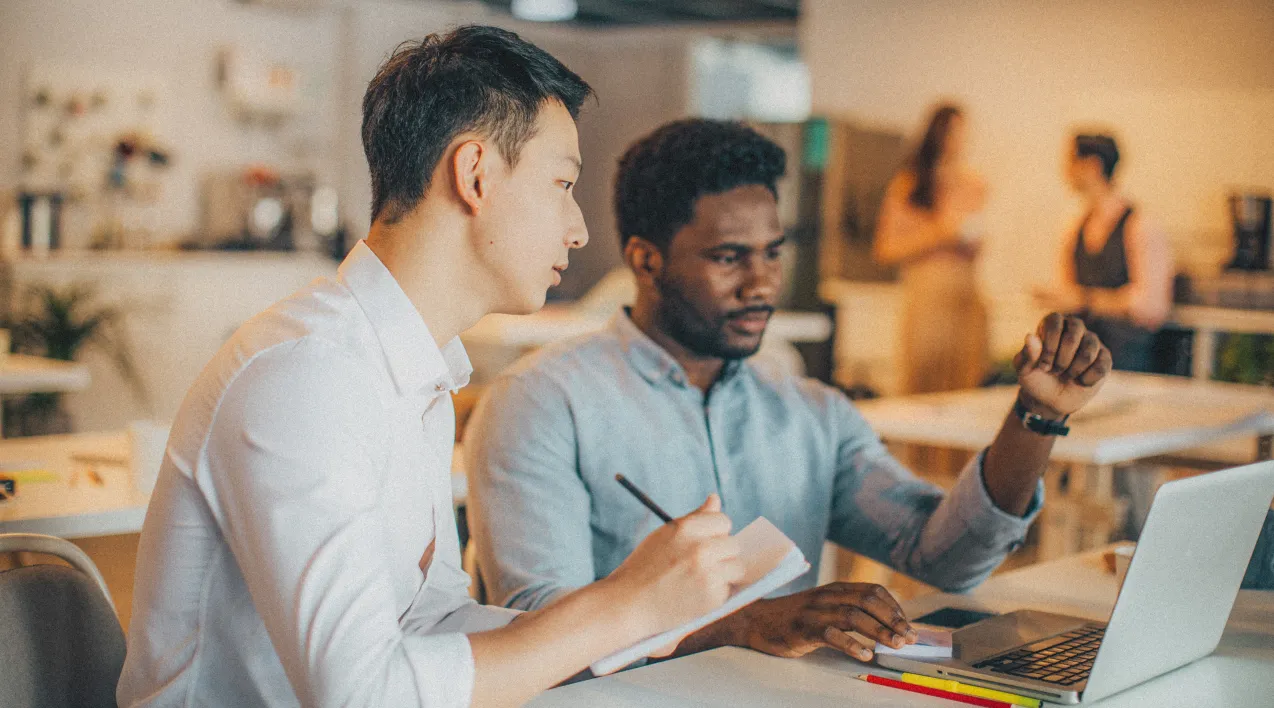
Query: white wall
179,308
640,77
175,41
1188,87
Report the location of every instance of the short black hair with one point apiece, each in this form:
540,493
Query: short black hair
662,175
1103,147
475,78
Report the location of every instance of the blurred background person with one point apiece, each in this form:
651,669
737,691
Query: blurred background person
1116,266
926,227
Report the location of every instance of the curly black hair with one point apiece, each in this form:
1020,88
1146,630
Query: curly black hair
662,175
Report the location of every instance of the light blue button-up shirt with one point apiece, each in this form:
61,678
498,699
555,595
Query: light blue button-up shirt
552,432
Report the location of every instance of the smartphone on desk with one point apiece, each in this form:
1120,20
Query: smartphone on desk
952,617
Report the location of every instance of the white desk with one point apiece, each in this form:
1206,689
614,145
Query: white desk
1135,417
1239,674
558,322
74,506
20,373
1208,322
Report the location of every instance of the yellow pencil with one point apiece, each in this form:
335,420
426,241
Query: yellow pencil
966,690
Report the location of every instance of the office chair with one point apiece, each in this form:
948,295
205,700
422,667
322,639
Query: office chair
60,641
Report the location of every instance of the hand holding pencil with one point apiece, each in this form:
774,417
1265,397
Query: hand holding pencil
682,570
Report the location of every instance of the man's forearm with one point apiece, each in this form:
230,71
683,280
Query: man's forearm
1015,461
545,647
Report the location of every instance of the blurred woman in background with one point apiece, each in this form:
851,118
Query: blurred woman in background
926,227
1115,267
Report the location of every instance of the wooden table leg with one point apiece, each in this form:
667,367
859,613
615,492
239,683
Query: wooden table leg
1057,522
1095,506
1101,482
1203,353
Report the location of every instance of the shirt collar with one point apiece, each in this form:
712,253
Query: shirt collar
416,362
652,361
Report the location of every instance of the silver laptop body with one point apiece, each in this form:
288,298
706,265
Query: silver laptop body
1171,610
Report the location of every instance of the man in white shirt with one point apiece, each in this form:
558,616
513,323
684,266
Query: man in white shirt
300,547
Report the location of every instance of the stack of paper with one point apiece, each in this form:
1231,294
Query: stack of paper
770,561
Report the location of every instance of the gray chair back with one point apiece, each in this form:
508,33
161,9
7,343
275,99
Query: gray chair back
60,641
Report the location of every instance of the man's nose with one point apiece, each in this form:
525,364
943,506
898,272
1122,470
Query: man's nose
762,280
577,234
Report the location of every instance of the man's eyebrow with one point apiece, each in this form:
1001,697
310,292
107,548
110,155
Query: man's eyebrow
745,248
739,247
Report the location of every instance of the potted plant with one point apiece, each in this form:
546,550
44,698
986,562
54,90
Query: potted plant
1246,359
60,323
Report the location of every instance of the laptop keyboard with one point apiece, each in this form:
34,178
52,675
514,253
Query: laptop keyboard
1065,659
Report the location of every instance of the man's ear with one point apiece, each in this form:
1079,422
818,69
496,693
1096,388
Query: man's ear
644,258
470,173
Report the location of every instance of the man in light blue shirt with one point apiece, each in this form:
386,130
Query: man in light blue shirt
666,396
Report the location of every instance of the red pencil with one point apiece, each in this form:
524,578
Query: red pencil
958,697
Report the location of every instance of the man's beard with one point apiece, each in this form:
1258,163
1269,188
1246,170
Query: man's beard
702,335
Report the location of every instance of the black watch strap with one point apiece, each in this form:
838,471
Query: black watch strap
1038,424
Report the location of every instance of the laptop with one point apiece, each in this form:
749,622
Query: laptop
1171,610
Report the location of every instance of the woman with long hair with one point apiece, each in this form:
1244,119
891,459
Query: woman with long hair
926,227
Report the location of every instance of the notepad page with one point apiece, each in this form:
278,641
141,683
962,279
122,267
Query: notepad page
770,561
930,644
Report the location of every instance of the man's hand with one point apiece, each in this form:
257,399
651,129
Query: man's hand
1061,366
683,569
823,617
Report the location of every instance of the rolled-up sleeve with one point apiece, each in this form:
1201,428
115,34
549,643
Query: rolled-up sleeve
880,509
529,508
294,483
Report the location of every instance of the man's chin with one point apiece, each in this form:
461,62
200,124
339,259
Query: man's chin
739,348
525,305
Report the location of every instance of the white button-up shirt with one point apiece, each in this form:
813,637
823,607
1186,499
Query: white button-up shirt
300,547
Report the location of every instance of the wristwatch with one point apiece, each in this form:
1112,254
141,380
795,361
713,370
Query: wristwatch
1037,423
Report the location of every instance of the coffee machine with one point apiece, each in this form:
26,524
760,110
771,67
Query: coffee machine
1250,213
260,208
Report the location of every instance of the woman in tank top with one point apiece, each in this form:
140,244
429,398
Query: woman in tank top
924,226
1116,268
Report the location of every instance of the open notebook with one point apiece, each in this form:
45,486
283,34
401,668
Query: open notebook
770,561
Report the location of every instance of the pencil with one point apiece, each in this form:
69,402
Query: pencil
641,497
957,697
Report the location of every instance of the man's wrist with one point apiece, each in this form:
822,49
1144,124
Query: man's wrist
737,627
1033,405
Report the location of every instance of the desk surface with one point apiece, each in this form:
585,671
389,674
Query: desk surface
1134,416
1239,674
558,322
1224,319
73,506
20,373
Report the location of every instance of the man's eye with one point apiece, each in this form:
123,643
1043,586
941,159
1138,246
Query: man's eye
773,254
726,258
567,184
